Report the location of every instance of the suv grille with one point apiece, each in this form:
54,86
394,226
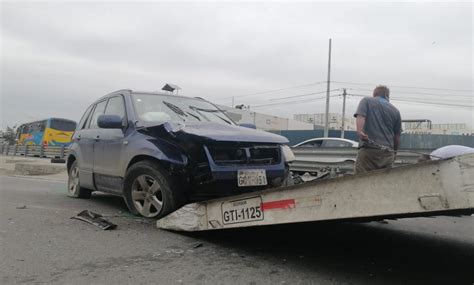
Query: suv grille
255,155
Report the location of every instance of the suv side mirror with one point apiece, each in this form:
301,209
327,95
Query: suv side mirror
109,122
250,126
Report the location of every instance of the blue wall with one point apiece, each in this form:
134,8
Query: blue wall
412,141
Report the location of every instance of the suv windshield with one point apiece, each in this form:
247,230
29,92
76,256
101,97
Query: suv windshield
162,108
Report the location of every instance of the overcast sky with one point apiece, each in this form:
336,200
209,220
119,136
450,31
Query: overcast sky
57,58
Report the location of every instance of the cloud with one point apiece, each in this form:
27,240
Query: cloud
59,57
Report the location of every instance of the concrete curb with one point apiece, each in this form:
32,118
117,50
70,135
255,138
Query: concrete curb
38,169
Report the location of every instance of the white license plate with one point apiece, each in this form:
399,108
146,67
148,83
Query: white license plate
251,177
243,210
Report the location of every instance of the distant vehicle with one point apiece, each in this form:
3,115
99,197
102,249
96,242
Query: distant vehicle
52,132
328,142
160,151
324,160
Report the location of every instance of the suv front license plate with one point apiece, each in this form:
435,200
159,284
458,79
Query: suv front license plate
251,177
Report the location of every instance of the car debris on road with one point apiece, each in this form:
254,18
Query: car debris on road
95,219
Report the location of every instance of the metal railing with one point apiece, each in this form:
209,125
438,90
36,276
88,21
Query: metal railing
35,150
307,159
315,159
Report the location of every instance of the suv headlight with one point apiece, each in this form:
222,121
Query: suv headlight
287,153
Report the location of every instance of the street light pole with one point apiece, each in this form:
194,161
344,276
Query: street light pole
326,120
344,94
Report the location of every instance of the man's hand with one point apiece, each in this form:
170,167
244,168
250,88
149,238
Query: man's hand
363,136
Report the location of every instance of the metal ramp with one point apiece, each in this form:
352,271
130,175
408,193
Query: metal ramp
443,187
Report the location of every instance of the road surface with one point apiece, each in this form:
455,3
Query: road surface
41,244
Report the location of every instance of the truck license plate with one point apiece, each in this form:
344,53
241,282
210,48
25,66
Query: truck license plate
243,210
251,177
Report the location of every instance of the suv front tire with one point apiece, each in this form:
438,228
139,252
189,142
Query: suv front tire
150,192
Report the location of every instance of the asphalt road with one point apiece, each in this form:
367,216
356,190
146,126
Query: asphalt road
41,244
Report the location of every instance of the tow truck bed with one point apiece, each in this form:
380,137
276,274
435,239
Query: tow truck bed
443,187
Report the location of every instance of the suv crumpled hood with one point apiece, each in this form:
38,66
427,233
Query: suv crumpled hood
218,132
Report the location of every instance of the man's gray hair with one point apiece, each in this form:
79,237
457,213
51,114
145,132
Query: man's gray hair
382,91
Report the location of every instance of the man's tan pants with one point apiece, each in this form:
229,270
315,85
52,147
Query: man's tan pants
369,159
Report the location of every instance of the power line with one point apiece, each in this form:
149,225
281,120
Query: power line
398,86
304,95
354,83
416,93
292,102
276,90
421,102
417,99
432,101
435,103
288,103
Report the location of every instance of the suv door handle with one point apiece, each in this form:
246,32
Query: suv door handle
97,138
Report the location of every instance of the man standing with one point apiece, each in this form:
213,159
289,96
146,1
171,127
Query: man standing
378,124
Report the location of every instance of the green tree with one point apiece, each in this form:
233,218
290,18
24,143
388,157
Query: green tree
9,135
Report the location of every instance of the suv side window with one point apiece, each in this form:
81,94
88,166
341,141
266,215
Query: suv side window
82,122
115,106
99,110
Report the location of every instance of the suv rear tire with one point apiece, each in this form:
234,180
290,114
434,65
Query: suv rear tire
150,192
74,188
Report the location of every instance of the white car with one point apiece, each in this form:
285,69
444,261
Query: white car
328,142
318,154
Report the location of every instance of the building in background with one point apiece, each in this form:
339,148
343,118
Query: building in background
335,120
416,124
437,129
451,129
264,121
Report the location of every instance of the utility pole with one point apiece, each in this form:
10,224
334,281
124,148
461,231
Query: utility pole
344,94
326,121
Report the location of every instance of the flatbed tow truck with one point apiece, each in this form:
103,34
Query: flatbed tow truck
433,188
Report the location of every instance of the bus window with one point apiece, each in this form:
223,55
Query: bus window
37,127
41,126
62,125
21,130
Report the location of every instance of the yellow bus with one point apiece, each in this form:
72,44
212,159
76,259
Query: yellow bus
52,131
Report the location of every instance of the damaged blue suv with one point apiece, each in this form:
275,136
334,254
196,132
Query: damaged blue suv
161,151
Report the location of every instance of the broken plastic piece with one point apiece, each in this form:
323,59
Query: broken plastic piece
95,219
58,160
297,180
